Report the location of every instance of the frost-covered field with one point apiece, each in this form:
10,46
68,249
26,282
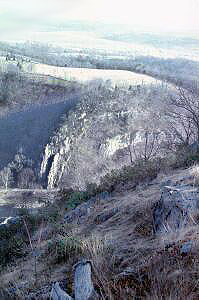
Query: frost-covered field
117,77
83,75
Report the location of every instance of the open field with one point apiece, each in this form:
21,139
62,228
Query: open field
83,75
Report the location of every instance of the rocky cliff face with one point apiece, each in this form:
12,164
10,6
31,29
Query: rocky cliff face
53,166
57,162
93,138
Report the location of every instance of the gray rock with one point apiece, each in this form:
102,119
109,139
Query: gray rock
185,248
83,285
84,289
79,213
194,147
105,216
175,208
58,294
166,183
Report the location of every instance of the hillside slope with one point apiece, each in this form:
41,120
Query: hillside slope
131,259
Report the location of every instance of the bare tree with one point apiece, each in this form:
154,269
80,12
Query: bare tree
6,177
183,113
26,178
145,145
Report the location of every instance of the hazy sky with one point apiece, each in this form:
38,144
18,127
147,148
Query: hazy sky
160,15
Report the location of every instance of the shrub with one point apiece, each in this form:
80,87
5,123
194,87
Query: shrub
140,172
72,199
50,214
77,198
11,242
61,248
185,157
14,238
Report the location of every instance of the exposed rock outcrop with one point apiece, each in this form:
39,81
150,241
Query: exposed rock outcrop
58,294
78,214
84,289
53,163
176,208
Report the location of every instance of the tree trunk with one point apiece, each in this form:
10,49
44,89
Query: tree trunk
130,153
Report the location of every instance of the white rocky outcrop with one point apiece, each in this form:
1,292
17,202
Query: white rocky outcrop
57,167
47,154
112,145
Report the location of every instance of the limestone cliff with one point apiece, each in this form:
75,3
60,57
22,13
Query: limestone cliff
94,137
107,129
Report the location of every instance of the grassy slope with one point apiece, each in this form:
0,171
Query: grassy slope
116,242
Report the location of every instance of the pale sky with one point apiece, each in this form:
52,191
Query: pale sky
160,15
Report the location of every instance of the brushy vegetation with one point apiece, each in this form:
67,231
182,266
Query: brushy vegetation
140,172
14,239
63,245
132,175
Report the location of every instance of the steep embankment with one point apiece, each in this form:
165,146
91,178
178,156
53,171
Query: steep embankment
30,129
